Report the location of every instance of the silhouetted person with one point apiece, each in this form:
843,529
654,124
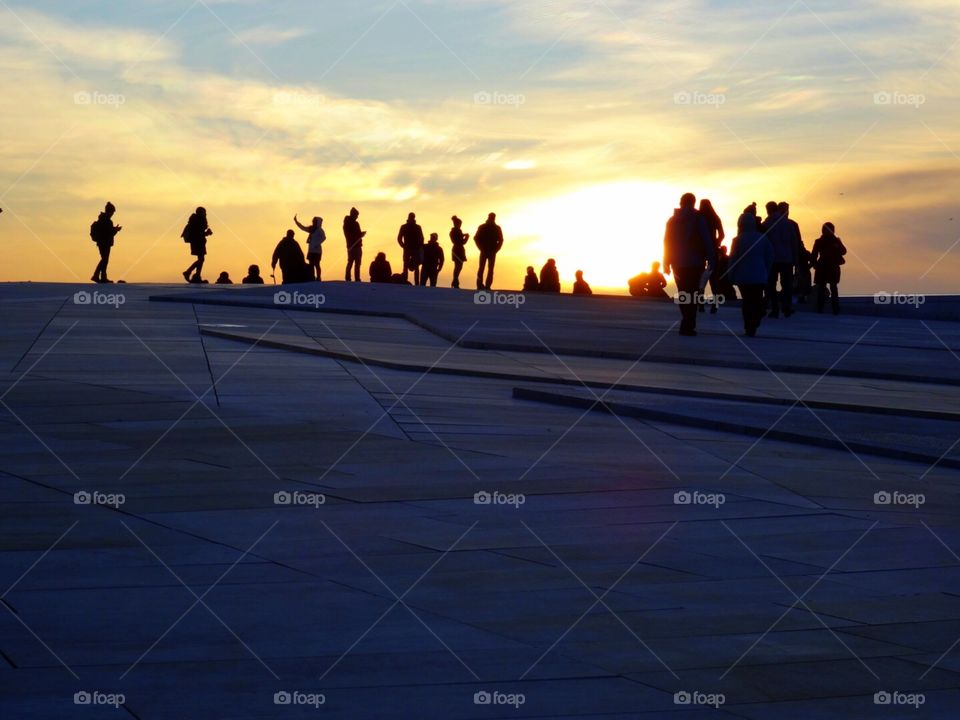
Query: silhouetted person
195,234
293,264
581,286
433,260
489,240
410,238
802,277
317,236
224,279
651,284
720,284
459,252
102,232
380,270
784,239
827,257
550,277
531,283
354,237
688,251
751,260
717,235
399,279
253,276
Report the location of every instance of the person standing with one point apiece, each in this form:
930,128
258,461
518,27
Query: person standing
354,237
410,238
751,261
489,240
195,234
103,232
433,260
459,252
317,236
688,251
783,238
717,235
827,257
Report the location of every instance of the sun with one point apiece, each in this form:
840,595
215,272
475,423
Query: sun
611,231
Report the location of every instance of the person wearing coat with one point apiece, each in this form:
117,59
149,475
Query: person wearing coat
195,234
293,264
826,258
751,262
688,251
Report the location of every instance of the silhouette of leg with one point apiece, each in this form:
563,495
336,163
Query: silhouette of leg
457,267
786,284
835,298
688,286
771,293
821,295
480,269
491,263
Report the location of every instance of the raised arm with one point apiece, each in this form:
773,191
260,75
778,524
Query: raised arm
301,225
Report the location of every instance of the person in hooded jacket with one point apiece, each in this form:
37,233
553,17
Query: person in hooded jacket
827,257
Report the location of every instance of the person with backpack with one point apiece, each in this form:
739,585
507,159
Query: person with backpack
688,251
103,232
354,237
433,261
195,234
293,264
410,238
459,252
315,241
827,257
489,240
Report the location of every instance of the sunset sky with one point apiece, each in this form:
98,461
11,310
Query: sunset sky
580,123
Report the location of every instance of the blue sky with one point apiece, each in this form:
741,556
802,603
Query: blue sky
602,109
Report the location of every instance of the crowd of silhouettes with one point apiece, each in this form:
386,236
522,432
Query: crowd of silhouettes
768,262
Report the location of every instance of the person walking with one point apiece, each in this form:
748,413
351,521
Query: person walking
195,234
783,238
354,237
717,235
489,240
751,261
827,257
316,237
103,232
688,251
459,252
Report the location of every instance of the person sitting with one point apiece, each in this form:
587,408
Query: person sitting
550,277
399,279
224,279
253,276
581,287
293,264
531,283
649,284
380,270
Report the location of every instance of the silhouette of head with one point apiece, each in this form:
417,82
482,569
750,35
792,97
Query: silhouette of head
772,208
784,208
492,217
579,274
381,256
551,262
706,206
317,222
655,267
253,271
747,222
530,270
202,212
829,228
412,218
224,276
688,200
457,222
110,209
750,209
291,235
354,213
433,237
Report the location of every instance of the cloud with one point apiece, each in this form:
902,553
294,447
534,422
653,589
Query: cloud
266,35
